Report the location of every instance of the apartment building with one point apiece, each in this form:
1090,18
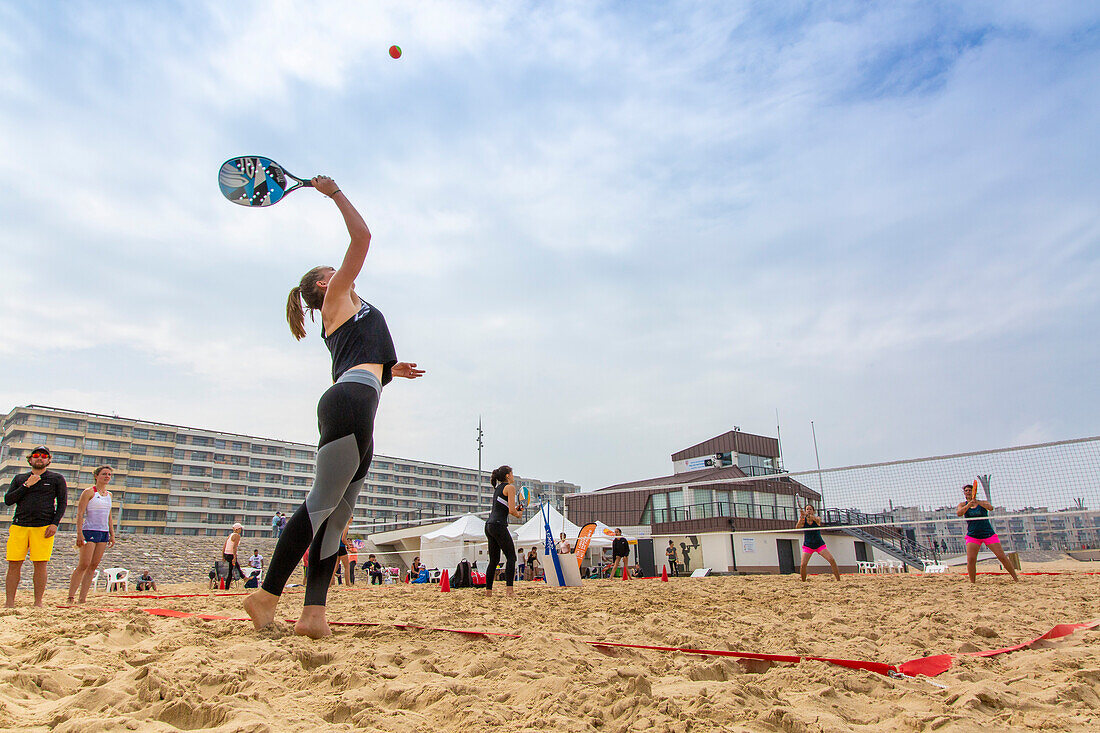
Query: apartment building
172,479
1030,528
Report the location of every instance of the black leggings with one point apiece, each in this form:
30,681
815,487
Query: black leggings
345,418
500,539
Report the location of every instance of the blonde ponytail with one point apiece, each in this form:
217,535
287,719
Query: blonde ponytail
295,316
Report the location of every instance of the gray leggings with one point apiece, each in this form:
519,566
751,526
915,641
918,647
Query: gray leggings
345,417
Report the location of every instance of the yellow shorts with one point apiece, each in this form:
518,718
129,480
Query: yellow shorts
34,539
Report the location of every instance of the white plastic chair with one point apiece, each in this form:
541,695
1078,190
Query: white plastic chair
863,566
434,575
95,581
116,577
932,567
881,566
392,575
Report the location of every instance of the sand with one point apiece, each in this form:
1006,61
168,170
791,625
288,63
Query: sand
82,669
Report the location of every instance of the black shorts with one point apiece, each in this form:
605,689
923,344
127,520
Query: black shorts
342,551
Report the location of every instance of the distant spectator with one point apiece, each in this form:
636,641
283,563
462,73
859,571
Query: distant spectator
670,554
374,570
214,574
145,582
257,560
532,565
282,523
563,545
620,550
521,568
275,521
229,553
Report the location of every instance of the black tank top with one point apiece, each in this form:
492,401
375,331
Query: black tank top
979,529
498,512
362,339
812,537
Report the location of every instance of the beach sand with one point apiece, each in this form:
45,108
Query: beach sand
82,669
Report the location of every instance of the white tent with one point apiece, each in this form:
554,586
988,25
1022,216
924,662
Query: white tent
462,538
534,531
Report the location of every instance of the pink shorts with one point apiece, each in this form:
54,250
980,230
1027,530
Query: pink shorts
812,550
987,541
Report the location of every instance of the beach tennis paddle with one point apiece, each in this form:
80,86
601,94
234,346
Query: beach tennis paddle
252,180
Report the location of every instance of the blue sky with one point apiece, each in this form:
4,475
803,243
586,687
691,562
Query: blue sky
611,229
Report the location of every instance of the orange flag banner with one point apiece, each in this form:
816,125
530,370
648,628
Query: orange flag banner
583,539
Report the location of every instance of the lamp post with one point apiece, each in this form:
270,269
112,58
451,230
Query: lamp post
480,483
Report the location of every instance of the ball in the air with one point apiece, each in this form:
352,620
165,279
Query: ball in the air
395,52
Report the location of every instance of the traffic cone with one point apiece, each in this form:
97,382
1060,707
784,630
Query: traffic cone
221,583
625,571
407,577
444,583
664,573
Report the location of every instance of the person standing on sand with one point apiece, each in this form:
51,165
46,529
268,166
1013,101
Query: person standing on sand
96,532
812,541
496,529
670,554
620,550
40,497
364,361
229,553
979,531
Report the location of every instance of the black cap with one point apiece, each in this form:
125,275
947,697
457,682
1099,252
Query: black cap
42,449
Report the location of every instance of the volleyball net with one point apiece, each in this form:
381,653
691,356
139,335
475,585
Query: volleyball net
1045,496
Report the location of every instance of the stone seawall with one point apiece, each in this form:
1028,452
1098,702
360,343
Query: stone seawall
170,559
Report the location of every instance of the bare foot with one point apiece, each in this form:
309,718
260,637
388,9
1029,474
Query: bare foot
312,623
509,592
488,593
260,607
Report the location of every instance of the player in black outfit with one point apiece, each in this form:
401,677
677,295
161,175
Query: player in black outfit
40,497
620,550
363,361
496,528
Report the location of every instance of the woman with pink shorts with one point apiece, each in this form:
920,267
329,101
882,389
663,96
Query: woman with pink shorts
979,531
812,541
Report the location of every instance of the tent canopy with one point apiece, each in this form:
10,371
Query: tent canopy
534,530
470,528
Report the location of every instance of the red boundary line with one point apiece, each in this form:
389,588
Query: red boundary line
927,666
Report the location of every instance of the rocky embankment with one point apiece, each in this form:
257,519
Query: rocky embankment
170,559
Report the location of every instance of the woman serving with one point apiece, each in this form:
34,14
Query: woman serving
364,360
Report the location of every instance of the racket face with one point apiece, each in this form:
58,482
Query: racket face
251,180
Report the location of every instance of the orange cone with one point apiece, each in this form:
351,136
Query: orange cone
445,583
664,573
625,572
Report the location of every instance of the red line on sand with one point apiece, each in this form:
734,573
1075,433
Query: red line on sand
932,666
927,666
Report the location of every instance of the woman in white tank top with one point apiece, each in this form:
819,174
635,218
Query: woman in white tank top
95,532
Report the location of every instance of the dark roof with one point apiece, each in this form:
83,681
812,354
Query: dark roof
703,475
734,441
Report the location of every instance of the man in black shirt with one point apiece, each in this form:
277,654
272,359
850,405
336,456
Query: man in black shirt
620,550
40,498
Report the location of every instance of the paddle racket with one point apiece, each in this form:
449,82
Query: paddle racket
252,180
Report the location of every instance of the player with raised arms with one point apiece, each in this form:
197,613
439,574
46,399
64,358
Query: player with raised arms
812,541
505,503
979,531
363,361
